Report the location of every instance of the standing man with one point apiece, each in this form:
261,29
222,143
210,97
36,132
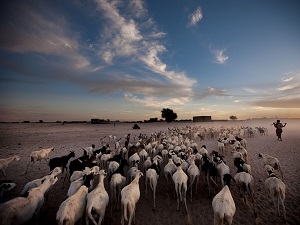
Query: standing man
279,127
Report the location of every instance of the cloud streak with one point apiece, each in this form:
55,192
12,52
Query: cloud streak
195,17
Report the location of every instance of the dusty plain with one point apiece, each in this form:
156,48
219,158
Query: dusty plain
23,138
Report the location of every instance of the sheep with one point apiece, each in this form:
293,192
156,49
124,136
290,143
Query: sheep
5,162
112,167
276,190
272,161
132,171
152,175
75,185
77,174
242,166
130,194
37,182
117,181
180,179
143,154
245,183
242,141
61,161
81,163
240,153
5,186
210,172
89,150
19,210
147,164
97,201
223,207
221,146
169,169
133,158
222,169
39,155
73,208
193,173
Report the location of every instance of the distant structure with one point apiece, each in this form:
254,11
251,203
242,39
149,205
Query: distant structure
97,121
201,118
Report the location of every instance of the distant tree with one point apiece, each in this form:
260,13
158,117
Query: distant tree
233,117
168,114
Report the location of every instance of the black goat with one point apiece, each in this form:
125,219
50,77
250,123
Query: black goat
120,169
61,161
82,162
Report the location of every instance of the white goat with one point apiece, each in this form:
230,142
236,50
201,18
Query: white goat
5,162
152,176
180,179
169,170
73,208
112,167
38,182
117,182
39,155
193,173
222,169
272,161
223,206
245,184
130,194
132,159
78,174
276,190
19,210
97,201
75,185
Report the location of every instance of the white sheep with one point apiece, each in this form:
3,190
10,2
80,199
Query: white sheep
221,146
97,201
132,159
223,206
147,164
143,154
5,162
276,190
180,180
112,167
193,173
78,174
38,182
132,171
117,182
73,208
222,169
19,210
152,175
39,155
169,170
272,161
130,194
75,185
245,184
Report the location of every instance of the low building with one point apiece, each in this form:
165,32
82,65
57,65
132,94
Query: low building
96,121
202,119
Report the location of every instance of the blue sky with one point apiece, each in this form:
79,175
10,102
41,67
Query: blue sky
127,60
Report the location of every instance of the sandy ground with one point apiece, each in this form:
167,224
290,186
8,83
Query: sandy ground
22,139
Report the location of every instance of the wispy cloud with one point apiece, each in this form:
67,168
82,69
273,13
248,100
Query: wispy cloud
220,57
195,17
286,95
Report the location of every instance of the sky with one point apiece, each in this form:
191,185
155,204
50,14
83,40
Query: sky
128,59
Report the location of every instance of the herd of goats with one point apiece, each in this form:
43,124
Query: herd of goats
175,152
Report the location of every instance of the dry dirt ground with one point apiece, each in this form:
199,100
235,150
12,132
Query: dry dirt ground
22,139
